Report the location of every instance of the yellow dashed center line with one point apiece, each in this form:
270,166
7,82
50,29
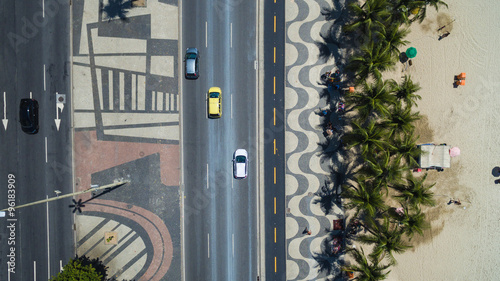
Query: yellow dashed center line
275,265
274,85
275,205
275,235
274,24
274,54
274,116
274,175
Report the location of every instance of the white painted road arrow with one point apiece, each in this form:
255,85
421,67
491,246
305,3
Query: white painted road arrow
59,105
5,121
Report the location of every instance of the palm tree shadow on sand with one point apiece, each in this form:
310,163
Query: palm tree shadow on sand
116,9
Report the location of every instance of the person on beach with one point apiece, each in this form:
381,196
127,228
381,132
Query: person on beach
444,35
457,202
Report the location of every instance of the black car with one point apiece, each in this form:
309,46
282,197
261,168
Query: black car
28,116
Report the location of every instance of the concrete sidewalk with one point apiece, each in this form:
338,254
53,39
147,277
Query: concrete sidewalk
126,125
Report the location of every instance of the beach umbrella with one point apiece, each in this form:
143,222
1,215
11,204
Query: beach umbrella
411,52
454,151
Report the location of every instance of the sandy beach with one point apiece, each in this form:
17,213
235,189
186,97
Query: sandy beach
463,241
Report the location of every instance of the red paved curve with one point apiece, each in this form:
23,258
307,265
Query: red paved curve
152,224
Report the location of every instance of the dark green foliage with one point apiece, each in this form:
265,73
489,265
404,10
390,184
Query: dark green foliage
371,61
367,269
82,269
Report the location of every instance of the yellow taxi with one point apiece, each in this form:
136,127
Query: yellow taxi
214,102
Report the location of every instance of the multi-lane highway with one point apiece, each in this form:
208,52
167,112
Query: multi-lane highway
35,62
220,213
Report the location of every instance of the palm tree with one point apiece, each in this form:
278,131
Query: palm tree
406,148
400,120
386,239
406,91
394,38
364,197
371,61
368,17
117,8
400,9
373,99
422,13
412,221
367,269
414,192
368,139
383,171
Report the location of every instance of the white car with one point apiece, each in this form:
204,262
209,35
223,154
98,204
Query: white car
240,164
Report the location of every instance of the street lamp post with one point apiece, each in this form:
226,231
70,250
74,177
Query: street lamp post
68,195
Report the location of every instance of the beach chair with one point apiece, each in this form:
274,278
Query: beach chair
461,76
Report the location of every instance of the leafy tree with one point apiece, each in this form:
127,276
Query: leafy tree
367,139
367,269
387,239
414,192
374,98
82,268
372,60
364,197
368,17
406,91
400,120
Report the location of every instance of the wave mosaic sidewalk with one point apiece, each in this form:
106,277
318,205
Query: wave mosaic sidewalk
307,169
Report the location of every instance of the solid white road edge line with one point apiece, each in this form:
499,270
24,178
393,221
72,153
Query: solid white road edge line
208,240
48,242
34,270
44,81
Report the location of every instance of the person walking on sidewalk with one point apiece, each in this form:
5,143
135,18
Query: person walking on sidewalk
306,231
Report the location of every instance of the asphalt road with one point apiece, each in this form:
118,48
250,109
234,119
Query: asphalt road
220,234
274,142
35,58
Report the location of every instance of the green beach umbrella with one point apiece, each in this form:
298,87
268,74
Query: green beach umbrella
411,52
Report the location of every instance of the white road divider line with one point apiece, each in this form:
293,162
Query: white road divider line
46,158
34,270
208,240
206,34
